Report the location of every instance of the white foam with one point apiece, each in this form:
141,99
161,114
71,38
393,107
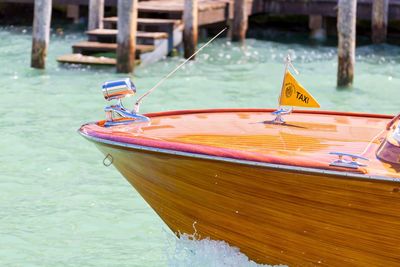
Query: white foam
189,251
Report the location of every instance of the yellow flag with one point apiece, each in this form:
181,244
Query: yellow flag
294,94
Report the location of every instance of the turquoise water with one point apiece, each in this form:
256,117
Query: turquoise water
59,206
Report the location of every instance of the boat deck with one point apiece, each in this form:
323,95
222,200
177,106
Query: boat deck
305,140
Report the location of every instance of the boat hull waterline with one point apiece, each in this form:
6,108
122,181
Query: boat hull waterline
275,214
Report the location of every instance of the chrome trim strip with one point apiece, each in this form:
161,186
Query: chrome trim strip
245,162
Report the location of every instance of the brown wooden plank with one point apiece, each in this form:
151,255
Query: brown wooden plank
310,7
273,216
147,21
94,46
90,60
176,6
106,47
159,8
212,16
139,34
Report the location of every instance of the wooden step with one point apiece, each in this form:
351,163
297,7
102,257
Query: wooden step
89,60
139,34
110,35
111,22
87,47
177,6
160,7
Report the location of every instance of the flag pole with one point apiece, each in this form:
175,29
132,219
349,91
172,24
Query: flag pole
287,62
281,111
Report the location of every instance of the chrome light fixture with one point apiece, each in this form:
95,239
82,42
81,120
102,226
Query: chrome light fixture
118,89
118,114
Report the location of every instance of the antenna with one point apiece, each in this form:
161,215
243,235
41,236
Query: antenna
140,99
288,61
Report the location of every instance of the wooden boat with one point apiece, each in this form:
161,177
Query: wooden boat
322,188
267,189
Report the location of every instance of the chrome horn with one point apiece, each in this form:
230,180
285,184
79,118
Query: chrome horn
118,90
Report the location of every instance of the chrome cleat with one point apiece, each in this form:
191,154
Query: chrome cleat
352,164
279,113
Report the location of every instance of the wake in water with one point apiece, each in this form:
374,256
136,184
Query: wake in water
188,250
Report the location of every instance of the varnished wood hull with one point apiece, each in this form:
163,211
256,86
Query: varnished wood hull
274,215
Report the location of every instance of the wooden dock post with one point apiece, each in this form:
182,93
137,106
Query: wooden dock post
73,13
126,37
190,31
239,21
346,25
379,20
316,25
96,14
40,33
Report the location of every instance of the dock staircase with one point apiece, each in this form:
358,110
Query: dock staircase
159,31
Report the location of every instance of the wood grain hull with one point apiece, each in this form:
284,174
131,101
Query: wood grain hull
273,215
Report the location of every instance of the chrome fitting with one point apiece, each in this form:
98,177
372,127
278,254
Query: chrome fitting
279,113
119,90
352,164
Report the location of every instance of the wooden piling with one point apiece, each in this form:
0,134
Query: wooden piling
379,20
229,18
96,14
126,38
316,26
239,21
315,22
40,33
190,31
346,25
73,13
